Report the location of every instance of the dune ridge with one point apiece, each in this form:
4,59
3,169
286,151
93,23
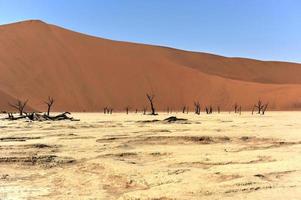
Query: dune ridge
86,73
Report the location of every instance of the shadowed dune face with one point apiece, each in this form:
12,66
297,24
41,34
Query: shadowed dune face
86,73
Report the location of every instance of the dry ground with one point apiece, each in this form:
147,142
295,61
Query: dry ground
222,156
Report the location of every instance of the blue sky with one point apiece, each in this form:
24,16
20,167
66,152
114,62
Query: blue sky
261,29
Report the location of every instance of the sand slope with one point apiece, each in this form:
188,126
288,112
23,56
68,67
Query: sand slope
86,73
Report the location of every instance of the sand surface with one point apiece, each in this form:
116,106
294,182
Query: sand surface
38,60
119,156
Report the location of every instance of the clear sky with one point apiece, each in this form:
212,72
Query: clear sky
261,29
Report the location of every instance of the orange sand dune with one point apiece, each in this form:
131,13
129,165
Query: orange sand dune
85,73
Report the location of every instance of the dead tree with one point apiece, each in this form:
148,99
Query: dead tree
12,117
264,108
42,117
37,117
105,110
151,101
127,110
144,110
197,108
260,107
235,108
49,103
19,105
136,111
218,109
206,110
184,109
239,110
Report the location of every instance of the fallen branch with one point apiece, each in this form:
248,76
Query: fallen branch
42,117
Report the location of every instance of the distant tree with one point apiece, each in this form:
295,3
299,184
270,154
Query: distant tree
218,109
151,101
184,109
197,108
127,110
19,105
210,110
49,103
264,108
235,108
144,110
105,110
261,107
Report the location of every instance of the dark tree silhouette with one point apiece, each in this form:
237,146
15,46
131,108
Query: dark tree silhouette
184,109
235,108
208,109
264,108
19,105
260,107
197,108
49,103
144,110
105,110
151,101
127,110
218,109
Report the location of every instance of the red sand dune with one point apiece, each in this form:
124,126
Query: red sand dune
85,73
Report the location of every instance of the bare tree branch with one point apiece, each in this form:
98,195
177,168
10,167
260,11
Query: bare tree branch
19,105
49,103
151,99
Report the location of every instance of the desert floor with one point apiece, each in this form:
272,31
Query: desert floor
119,156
